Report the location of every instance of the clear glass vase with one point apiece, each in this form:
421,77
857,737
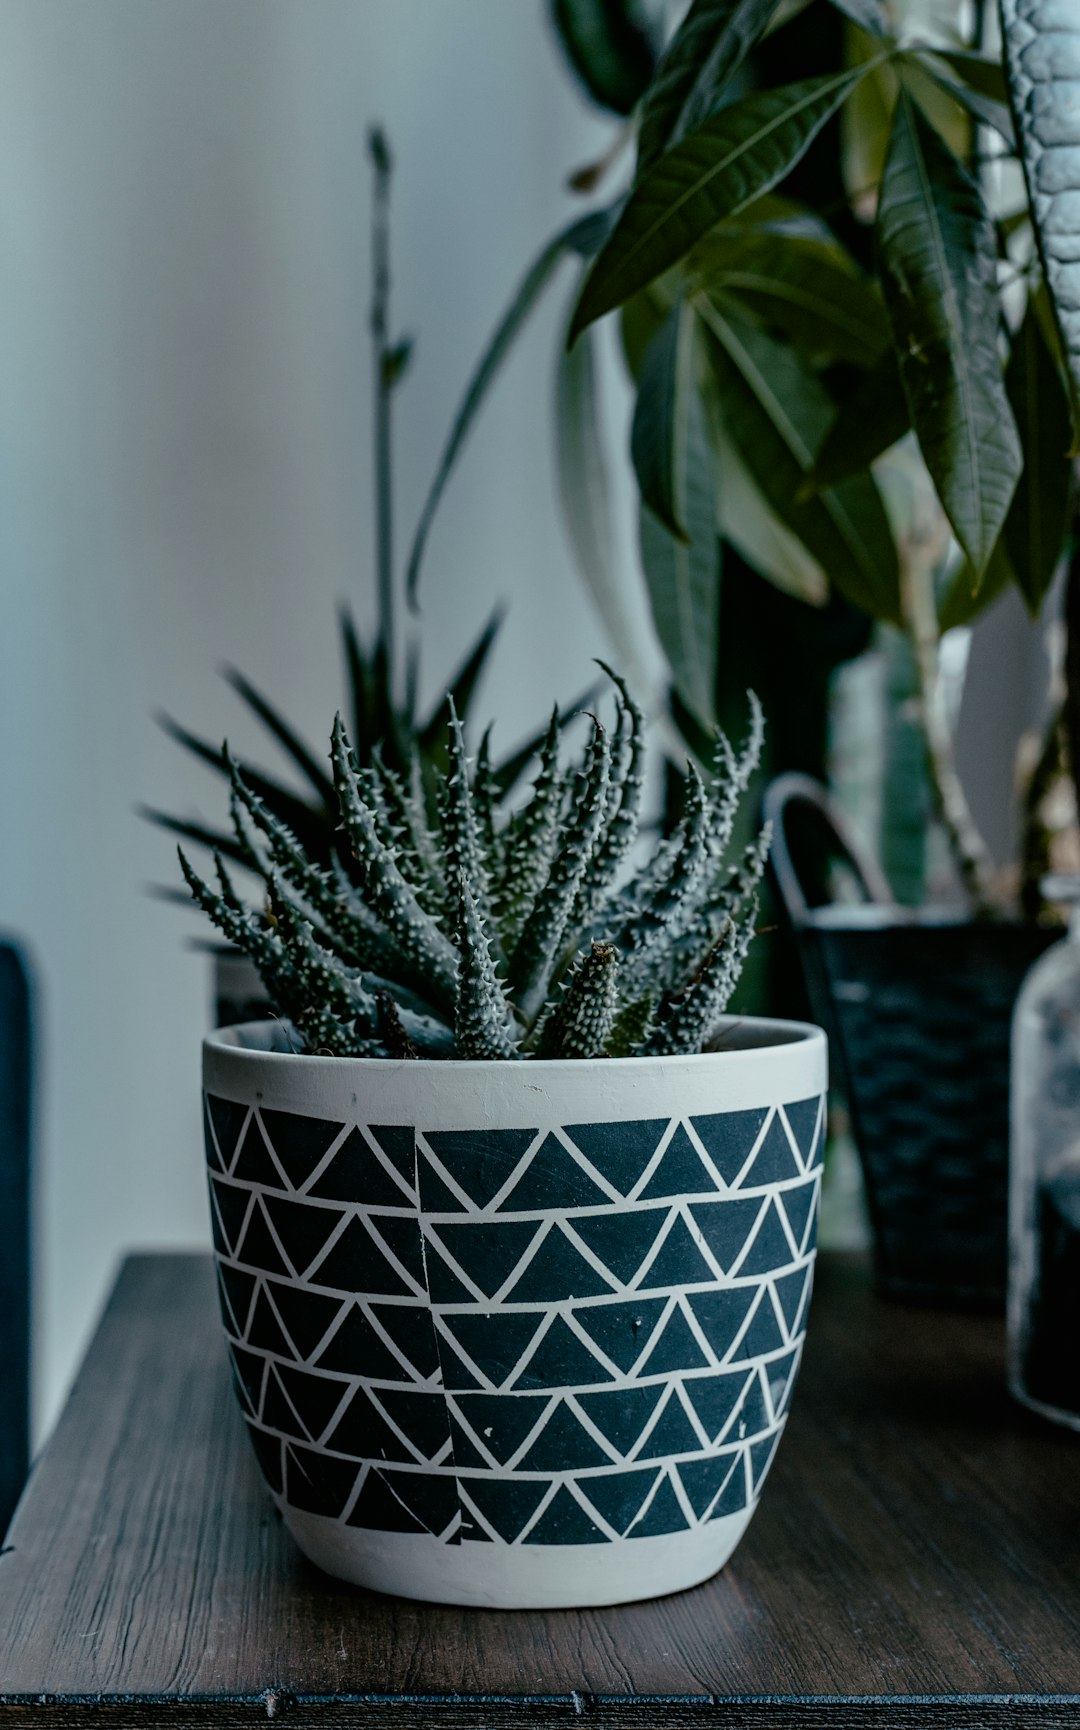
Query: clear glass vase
1044,1180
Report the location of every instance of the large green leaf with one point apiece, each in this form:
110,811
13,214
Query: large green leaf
778,411
867,423
710,44
659,430
962,597
1042,64
938,262
740,153
749,523
943,73
610,45
979,71
1038,520
584,493
581,238
683,576
808,288
869,15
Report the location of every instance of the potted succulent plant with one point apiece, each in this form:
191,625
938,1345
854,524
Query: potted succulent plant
514,1228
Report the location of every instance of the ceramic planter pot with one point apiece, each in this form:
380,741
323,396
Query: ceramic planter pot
516,1334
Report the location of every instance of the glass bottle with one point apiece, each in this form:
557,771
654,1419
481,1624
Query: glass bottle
1044,1178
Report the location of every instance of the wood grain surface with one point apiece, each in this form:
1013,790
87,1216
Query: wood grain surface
914,1561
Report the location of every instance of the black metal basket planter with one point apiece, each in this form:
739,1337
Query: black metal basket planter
918,1004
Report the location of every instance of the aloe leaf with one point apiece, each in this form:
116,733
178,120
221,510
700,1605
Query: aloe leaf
461,689
306,821
610,46
683,574
777,412
216,839
710,44
867,424
582,237
807,288
939,272
276,723
1038,520
658,432
1042,66
739,153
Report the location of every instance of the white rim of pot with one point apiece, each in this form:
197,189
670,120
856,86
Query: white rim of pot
242,1043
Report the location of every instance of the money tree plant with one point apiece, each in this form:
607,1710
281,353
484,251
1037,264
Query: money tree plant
484,935
843,257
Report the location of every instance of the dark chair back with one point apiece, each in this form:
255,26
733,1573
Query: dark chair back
14,1228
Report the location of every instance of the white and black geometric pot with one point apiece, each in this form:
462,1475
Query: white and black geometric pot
516,1334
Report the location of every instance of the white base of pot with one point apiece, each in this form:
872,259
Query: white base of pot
522,1576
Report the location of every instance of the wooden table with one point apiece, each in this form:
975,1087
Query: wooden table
915,1561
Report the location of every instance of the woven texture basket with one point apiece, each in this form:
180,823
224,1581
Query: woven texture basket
918,1006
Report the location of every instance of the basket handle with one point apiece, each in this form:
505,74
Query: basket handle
791,789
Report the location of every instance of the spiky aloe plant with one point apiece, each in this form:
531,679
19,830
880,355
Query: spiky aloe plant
482,935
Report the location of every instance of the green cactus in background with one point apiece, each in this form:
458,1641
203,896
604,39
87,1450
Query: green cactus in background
480,935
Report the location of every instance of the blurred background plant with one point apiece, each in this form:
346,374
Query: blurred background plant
844,306
391,736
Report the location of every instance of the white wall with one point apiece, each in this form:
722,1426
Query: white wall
184,463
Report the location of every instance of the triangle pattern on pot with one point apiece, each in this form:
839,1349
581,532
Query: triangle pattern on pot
619,1151
622,1330
774,1161
494,1374
302,1231
258,1247
553,1179
729,1138
619,1497
621,1241
254,1161
564,1444
487,1253
557,1272
565,1521
399,1146
561,1360
507,1504
680,1172
480,1160
798,1204
805,1118
227,1118
299,1142
662,1513
357,1174
230,1202
495,1342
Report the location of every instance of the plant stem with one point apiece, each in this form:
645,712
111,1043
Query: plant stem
382,163
969,851
1072,649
